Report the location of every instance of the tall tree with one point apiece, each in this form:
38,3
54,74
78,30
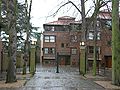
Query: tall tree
83,39
0,16
115,43
28,29
95,35
11,17
98,5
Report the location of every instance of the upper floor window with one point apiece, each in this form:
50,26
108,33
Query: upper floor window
52,38
98,36
98,24
108,24
49,38
53,28
73,38
91,36
74,51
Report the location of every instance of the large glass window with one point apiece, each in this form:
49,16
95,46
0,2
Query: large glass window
49,50
49,39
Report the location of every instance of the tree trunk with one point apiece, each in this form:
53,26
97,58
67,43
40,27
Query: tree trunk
0,16
11,16
27,43
83,39
97,7
115,43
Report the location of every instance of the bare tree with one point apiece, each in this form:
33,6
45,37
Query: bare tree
98,4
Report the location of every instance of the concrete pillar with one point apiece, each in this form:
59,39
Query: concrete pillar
32,60
82,60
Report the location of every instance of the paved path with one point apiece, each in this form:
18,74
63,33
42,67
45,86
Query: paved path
68,78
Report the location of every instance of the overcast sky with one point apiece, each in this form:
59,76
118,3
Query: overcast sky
43,8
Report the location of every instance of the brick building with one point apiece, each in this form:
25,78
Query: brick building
61,38
64,35
104,36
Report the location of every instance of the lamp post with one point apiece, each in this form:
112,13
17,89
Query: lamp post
82,58
57,60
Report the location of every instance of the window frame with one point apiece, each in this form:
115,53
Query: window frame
49,38
74,51
50,50
91,37
91,50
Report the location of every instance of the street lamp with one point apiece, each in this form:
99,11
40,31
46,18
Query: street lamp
82,43
33,42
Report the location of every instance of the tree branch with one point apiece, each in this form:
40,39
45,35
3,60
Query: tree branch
66,4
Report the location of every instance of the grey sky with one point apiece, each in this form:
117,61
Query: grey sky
43,8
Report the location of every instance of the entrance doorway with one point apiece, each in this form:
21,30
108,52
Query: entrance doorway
64,60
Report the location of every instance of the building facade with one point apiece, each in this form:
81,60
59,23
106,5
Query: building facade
103,43
62,39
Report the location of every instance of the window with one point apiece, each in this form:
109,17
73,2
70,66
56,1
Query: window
49,39
52,38
49,50
108,24
46,38
98,36
90,49
74,51
73,38
98,24
91,36
109,43
53,28
67,45
98,50
62,45
45,50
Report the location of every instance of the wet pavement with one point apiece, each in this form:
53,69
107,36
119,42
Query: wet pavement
68,78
